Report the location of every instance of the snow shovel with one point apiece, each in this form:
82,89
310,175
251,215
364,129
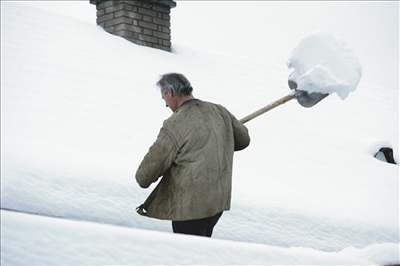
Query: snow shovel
304,98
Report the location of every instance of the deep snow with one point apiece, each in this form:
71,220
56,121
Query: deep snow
80,109
79,243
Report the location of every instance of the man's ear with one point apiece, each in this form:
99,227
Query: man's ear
169,92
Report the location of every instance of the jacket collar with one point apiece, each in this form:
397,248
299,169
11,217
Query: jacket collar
187,103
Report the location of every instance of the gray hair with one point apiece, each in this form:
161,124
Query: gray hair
177,83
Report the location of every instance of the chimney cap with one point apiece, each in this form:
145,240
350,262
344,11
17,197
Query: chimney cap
169,3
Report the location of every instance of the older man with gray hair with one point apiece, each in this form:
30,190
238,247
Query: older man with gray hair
193,154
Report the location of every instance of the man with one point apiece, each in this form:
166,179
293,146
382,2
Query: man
194,153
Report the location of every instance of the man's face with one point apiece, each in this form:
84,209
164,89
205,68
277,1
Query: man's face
169,99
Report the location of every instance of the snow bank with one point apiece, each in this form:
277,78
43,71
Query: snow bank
322,63
107,196
381,254
49,241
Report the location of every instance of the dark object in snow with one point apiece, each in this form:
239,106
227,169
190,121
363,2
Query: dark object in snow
385,154
304,98
143,22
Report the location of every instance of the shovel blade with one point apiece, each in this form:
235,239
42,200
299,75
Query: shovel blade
305,98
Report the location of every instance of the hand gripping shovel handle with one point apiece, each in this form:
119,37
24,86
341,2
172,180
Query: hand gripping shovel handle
267,108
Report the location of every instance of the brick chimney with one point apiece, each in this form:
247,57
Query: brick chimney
144,22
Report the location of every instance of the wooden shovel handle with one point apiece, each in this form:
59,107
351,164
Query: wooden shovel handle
267,108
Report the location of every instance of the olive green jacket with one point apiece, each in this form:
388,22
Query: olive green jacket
194,153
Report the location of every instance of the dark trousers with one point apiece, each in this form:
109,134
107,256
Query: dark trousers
199,227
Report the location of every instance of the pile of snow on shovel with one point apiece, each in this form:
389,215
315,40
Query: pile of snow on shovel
324,64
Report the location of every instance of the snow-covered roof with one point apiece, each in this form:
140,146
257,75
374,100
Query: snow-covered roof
80,109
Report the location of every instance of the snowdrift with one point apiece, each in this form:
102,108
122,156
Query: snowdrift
97,244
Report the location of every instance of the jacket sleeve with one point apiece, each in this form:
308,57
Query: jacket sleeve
158,159
240,133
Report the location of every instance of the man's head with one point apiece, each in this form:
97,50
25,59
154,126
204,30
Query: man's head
175,89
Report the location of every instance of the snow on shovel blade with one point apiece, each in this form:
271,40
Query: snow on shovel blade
321,65
305,98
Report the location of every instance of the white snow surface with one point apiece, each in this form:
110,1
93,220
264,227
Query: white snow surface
75,242
322,63
80,109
